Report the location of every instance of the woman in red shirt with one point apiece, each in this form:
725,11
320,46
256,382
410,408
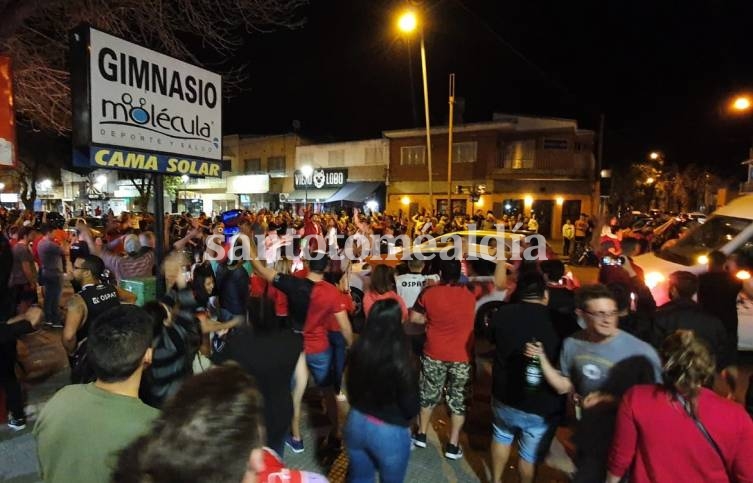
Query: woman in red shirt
681,431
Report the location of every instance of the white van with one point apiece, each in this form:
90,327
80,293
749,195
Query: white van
729,229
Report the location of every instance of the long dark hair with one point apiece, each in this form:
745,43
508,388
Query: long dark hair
382,279
202,272
380,366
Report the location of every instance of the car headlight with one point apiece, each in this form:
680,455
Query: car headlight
703,260
653,279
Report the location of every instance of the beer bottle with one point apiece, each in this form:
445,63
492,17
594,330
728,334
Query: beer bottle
533,373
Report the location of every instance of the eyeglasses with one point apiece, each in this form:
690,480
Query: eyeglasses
602,315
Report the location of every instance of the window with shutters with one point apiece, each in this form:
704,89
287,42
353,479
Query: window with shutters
464,152
374,156
413,155
252,165
336,159
276,165
519,154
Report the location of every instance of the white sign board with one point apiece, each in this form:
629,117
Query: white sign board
248,184
144,100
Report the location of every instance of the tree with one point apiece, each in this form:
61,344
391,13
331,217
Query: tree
144,183
38,157
35,34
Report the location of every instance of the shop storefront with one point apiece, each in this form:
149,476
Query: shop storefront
316,188
251,192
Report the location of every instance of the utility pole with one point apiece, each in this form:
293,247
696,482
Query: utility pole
449,145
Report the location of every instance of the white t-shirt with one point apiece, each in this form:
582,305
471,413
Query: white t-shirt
409,286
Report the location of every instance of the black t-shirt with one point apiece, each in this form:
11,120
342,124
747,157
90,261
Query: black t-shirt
717,295
562,308
298,291
512,326
232,287
270,359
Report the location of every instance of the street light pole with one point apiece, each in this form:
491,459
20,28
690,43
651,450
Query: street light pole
428,126
307,172
407,23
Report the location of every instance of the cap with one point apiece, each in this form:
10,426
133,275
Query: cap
131,244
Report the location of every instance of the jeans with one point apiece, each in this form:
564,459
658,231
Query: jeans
53,288
337,343
374,445
320,367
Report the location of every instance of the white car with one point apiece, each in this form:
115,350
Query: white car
474,243
729,229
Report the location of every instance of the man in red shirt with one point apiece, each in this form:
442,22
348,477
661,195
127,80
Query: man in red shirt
447,310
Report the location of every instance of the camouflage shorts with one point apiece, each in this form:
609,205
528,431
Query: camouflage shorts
435,375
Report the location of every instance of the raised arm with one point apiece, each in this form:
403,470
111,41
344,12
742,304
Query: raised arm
260,268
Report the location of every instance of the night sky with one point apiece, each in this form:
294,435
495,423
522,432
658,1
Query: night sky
659,71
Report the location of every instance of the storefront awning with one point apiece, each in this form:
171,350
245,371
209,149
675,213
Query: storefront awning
314,196
356,192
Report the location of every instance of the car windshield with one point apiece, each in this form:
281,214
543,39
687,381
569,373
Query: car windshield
712,235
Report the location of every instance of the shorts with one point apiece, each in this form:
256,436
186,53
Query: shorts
320,367
436,374
534,432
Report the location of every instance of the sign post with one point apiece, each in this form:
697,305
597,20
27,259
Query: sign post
7,118
136,109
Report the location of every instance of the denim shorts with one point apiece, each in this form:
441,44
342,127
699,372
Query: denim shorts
534,432
320,367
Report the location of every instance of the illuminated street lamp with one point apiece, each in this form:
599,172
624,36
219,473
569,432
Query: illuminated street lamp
46,184
654,155
741,103
408,23
306,171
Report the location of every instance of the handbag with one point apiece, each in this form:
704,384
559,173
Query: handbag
704,432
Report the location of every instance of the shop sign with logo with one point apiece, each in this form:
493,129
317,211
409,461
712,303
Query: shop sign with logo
141,110
323,178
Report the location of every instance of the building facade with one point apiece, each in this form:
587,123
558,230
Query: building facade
273,156
352,173
512,165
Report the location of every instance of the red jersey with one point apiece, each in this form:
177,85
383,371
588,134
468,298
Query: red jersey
326,301
449,310
347,302
259,287
275,472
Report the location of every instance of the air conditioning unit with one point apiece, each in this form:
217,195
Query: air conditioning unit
284,196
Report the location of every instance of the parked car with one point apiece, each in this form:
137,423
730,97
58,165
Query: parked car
475,244
730,230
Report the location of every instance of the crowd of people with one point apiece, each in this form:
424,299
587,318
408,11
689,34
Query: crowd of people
206,382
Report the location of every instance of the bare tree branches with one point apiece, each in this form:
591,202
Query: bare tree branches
34,33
